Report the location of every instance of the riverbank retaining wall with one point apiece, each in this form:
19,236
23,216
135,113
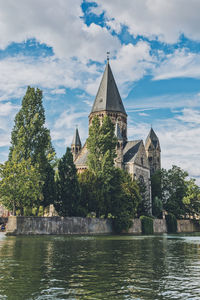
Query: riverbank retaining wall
187,226
57,225
77,225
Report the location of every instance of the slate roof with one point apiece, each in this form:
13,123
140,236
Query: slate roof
76,139
108,97
130,150
82,157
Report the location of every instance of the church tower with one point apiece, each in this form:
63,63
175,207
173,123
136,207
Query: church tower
108,102
152,147
76,144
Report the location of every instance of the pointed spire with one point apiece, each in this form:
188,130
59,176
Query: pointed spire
118,132
153,137
108,97
76,139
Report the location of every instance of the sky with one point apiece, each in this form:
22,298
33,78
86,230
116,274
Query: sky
60,46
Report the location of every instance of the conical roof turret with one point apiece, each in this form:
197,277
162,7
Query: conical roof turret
108,97
153,138
76,139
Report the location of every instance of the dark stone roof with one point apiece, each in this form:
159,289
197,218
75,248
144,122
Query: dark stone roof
76,139
130,150
82,157
129,153
108,97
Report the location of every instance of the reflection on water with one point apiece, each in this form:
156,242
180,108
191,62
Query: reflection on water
100,267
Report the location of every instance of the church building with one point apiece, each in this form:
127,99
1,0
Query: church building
139,160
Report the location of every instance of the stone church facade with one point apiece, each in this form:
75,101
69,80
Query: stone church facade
138,159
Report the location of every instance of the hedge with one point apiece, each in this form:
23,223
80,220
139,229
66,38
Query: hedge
147,225
171,223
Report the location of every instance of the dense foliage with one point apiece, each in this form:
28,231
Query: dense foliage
175,193
147,225
31,144
20,185
171,223
67,187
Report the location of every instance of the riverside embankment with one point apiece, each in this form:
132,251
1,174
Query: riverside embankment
85,226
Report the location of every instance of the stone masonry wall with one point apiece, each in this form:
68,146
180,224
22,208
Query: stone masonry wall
77,225
57,225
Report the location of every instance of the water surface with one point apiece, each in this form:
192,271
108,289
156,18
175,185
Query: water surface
100,267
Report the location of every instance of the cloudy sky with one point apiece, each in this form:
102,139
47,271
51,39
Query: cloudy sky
60,46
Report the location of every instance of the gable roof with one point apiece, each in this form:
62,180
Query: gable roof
130,150
108,97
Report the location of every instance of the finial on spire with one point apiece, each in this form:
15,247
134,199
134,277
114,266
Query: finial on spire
108,55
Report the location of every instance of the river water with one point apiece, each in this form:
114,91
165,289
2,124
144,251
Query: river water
100,267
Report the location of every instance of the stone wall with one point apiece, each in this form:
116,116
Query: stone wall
57,225
187,226
77,225
136,228
159,226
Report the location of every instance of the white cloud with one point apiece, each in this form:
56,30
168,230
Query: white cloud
51,73
64,127
58,92
172,101
58,24
161,19
180,63
142,114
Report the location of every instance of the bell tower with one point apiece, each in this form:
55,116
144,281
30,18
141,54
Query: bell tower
108,102
153,151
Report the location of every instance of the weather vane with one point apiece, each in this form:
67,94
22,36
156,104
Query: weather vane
108,53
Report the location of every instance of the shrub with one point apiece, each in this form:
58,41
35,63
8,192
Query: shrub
122,222
147,225
171,223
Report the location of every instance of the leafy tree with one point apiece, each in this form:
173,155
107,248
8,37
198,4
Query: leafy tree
156,191
101,144
120,200
91,194
31,140
20,185
125,200
157,207
192,198
156,184
67,186
174,188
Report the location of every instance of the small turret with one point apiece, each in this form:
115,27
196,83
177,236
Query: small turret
152,147
76,144
119,148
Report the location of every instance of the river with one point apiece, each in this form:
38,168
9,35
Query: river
100,267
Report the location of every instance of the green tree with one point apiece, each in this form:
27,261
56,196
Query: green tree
31,140
67,187
156,192
91,194
20,185
125,198
192,199
174,189
101,144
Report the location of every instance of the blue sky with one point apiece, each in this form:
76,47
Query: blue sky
60,46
